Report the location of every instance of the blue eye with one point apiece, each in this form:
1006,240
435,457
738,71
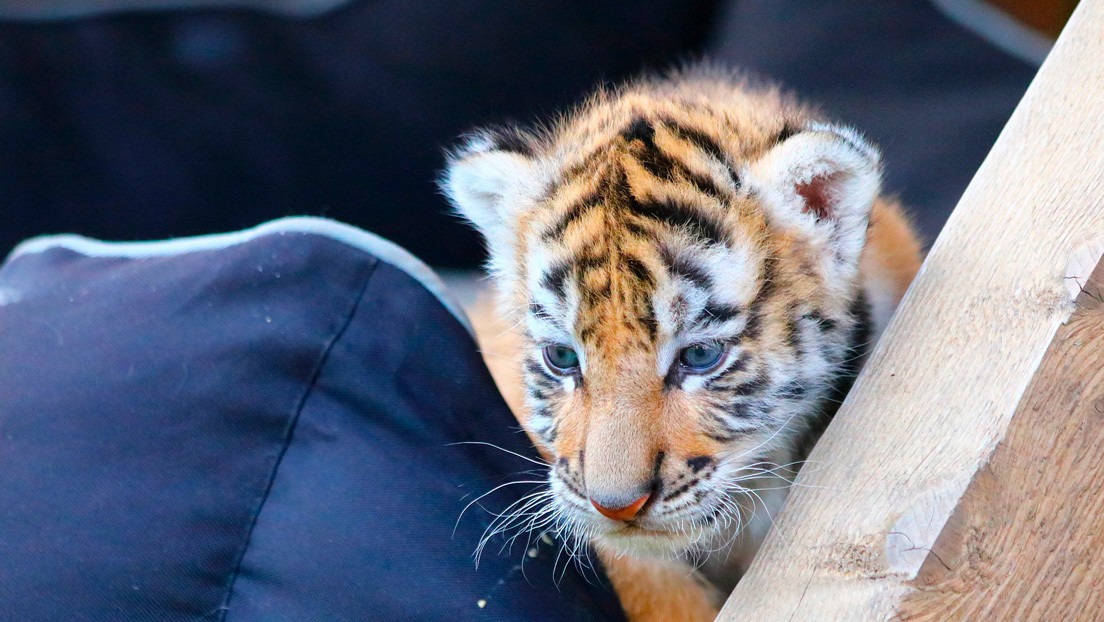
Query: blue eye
561,359
701,357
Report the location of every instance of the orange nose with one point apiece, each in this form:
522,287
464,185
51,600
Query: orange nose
626,513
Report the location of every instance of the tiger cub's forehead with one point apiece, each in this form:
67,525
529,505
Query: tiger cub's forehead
654,291
595,260
646,225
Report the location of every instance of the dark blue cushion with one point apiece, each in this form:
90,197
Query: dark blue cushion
256,427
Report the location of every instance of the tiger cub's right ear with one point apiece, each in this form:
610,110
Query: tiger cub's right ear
490,179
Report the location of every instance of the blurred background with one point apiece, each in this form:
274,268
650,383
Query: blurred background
143,119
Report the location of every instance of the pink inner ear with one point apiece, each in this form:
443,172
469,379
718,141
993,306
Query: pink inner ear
818,194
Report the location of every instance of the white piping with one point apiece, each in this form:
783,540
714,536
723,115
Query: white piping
370,243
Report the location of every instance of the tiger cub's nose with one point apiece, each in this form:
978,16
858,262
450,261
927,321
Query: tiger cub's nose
619,512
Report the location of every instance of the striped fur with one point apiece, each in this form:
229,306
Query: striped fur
659,216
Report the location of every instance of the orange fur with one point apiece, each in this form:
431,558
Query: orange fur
695,212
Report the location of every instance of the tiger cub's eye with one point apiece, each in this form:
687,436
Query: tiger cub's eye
701,357
561,359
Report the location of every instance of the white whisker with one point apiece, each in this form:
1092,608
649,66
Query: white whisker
512,453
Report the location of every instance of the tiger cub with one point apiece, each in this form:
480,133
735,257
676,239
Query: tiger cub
695,267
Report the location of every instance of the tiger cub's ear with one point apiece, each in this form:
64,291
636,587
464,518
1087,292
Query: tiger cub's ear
490,179
821,180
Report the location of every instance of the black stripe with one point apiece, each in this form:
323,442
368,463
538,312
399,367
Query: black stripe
661,165
752,386
511,140
738,365
640,129
542,411
861,332
768,282
572,484
539,310
825,325
674,377
858,345
704,185
582,167
735,411
767,287
792,334
589,262
555,279
541,377
680,490
586,331
595,295
641,133
639,270
682,266
656,162
845,139
792,390
575,212
739,410
754,325
658,465
680,216
538,371
704,142
638,229
788,130
717,382
714,311
699,139
649,321
698,463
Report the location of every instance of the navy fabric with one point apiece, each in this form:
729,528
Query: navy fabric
259,432
223,118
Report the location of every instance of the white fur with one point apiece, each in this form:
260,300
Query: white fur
823,150
491,188
730,268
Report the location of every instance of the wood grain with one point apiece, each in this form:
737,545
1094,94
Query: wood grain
1025,541
942,385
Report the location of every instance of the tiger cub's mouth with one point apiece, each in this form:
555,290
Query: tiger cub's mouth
682,515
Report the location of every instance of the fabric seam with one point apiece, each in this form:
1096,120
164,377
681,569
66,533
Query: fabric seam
289,432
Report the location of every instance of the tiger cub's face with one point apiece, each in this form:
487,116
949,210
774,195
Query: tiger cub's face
685,278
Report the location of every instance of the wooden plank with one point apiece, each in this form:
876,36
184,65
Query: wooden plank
940,388
1024,542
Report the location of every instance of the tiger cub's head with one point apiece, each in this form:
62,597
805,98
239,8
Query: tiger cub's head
683,261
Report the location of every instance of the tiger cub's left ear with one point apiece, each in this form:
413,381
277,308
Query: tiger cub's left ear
821,180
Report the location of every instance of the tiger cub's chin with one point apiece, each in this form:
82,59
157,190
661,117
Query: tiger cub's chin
694,268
